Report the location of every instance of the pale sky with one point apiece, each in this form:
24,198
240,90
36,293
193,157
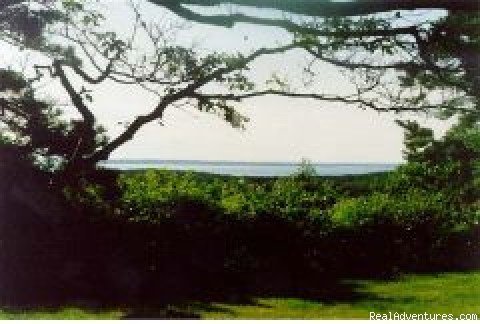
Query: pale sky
280,129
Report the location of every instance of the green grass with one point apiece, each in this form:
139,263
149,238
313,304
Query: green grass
454,293
444,293
64,313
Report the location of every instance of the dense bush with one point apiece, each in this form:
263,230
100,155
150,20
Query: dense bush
408,209
155,195
413,194
399,222
449,164
449,178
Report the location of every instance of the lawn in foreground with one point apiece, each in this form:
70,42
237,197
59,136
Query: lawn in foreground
443,293
454,293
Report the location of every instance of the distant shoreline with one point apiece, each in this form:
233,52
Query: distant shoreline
251,169
266,163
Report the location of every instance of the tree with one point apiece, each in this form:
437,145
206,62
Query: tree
423,66
450,164
22,22
36,128
31,127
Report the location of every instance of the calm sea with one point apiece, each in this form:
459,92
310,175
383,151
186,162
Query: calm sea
253,169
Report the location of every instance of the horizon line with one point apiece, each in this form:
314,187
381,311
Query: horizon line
140,160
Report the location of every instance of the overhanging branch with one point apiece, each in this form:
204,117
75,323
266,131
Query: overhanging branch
232,19
322,8
186,92
350,100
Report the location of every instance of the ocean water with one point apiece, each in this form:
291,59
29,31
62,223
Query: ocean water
252,169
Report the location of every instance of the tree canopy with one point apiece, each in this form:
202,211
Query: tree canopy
443,49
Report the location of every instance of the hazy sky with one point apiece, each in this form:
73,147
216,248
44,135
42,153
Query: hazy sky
280,129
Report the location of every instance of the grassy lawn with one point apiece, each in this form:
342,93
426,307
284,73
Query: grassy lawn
444,293
66,313
453,293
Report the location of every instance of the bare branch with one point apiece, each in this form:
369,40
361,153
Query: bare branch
405,66
102,77
351,100
322,97
133,128
77,100
185,93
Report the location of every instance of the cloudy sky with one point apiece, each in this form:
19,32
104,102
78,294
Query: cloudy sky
280,129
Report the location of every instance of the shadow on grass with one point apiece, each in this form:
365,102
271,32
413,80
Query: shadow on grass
176,270
182,309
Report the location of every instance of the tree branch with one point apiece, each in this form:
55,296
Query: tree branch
240,97
353,100
102,77
405,66
340,8
230,20
75,97
187,92
133,128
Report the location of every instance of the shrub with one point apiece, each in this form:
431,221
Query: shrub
425,176
157,194
154,194
449,164
450,178
408,210
294,198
